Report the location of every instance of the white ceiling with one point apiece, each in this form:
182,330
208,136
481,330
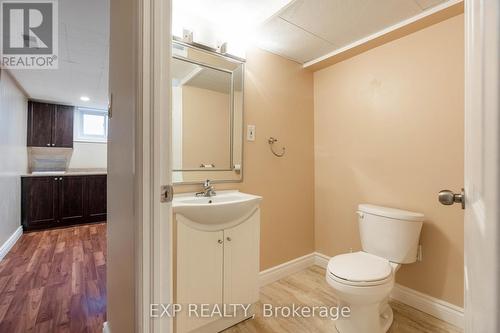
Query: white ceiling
301,30
186,73
83,57
232,21
308,29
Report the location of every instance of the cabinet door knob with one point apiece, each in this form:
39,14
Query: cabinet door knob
48,144
55,178
220,241
53,144
229,239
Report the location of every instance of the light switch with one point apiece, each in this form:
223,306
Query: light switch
251,133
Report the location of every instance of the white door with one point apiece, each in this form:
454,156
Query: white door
241,262
482,176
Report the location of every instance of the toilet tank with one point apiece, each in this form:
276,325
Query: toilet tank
390,233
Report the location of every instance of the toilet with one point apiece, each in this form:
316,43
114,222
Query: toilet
363,280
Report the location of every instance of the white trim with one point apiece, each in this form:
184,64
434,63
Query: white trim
9,243
153,128
283,270
321,259
385,31
440,309
482,167
105,328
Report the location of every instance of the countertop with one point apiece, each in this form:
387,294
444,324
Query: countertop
89,172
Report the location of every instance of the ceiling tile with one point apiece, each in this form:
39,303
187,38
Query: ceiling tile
83,57
342,22
87,14
280,37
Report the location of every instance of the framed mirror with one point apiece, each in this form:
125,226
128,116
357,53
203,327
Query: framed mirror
207,115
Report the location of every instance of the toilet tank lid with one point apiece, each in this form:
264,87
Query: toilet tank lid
391,213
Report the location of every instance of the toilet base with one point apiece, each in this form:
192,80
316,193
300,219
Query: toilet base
372,318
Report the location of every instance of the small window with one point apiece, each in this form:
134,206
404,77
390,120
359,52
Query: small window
91,125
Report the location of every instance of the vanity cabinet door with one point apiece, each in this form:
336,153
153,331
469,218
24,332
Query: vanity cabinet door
241,262
199,272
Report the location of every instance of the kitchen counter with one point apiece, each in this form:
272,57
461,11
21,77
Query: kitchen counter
89,172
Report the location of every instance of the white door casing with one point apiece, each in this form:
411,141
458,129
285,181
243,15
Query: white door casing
482,176
154,137
139,236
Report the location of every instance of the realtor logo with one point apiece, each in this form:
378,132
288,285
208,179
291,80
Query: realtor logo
29,34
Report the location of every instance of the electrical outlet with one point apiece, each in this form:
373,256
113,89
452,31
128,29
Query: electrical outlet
187,36
251,133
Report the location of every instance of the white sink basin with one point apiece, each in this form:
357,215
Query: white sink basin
226,208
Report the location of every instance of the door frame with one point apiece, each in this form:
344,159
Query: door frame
139,268
482,156
153,143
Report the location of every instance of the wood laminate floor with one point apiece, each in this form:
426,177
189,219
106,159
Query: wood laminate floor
54,281
309,287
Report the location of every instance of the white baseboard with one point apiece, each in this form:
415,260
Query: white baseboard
440,309
435,307
321,259
288,268
9,243
105,328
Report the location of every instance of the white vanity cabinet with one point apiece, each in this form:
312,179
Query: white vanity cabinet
215,265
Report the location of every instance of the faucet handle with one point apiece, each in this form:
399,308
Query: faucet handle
206,184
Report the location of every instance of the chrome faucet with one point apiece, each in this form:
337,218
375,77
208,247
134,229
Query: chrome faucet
208,190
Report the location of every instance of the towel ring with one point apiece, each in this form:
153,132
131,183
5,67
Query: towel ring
272,141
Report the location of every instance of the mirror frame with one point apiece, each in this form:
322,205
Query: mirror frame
216,175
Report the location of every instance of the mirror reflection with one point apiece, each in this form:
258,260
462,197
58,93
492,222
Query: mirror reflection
202,102
207,115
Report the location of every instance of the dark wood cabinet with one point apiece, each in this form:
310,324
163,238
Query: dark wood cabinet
50,125
96,198
72,199
40,201
40,124
62,132
58,201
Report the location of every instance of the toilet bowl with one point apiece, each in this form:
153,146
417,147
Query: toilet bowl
364,280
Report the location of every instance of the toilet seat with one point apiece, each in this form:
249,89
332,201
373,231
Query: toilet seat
360,269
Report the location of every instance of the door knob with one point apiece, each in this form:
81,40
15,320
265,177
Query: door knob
447,197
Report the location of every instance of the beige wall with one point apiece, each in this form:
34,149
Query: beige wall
206,128
279,102
389,131
13,152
